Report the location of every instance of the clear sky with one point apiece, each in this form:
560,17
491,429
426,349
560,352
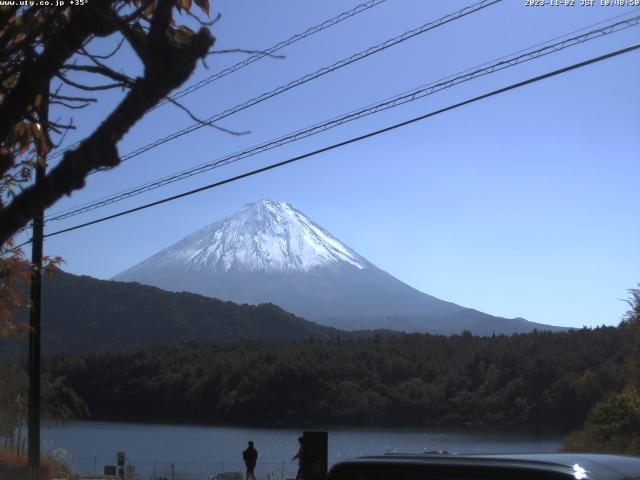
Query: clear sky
525,204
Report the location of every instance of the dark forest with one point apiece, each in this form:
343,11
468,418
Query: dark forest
541,378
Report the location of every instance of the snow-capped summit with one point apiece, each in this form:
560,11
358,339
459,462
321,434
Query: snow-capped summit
262,236
271,252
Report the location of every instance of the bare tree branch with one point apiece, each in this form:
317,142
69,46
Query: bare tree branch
84,52
64,98
101,70
62,137
205,23
68,105
55,125
204,122
90,88
250,52
74,99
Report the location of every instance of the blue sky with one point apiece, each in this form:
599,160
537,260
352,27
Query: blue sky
521,205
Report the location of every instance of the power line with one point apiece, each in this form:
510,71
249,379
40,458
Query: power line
257,56
312,76
12,249
406,97
106,200
356,139
277,47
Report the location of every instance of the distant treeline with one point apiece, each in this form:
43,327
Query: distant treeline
540,378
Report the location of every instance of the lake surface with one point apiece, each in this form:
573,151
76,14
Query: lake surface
197,452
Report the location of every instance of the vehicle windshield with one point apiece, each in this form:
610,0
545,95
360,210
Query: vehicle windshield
251,240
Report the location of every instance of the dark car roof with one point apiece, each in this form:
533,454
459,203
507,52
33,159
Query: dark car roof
596,466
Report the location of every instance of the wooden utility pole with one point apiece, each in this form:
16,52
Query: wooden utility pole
33,419
315,448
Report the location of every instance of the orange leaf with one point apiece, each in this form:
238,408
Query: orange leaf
204,6
149,10
40,139
19,128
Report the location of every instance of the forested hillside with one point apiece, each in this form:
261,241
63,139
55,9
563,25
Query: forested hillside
537,378
83,314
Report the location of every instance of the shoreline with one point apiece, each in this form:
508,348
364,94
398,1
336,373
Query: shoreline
202,450
508,429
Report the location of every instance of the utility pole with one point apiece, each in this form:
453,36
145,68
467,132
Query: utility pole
35,311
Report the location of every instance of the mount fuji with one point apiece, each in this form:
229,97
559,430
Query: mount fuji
270,252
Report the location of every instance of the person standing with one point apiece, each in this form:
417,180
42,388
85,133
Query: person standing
250,457
299,457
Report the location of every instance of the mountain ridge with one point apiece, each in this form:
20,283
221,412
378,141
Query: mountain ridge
84,314
271,252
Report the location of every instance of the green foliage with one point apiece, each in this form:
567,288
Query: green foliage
613,426
614,423
59,404
538,378
13,403
631,327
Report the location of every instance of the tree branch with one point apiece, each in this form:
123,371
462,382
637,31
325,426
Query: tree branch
132,38
62,137
68,105
250,52
55,126
84,52
74,99
205,23
90,88
204,122
7,161
89,20
101,70
167,66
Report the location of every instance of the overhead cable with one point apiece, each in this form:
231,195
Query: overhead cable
334,146
312,76
406,97
277,47
255,57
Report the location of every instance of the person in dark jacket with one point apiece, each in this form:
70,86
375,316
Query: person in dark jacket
299,457
250,457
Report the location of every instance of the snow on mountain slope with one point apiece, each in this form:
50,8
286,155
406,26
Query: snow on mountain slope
263,236
269,252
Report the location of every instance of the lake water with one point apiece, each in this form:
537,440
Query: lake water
197,452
